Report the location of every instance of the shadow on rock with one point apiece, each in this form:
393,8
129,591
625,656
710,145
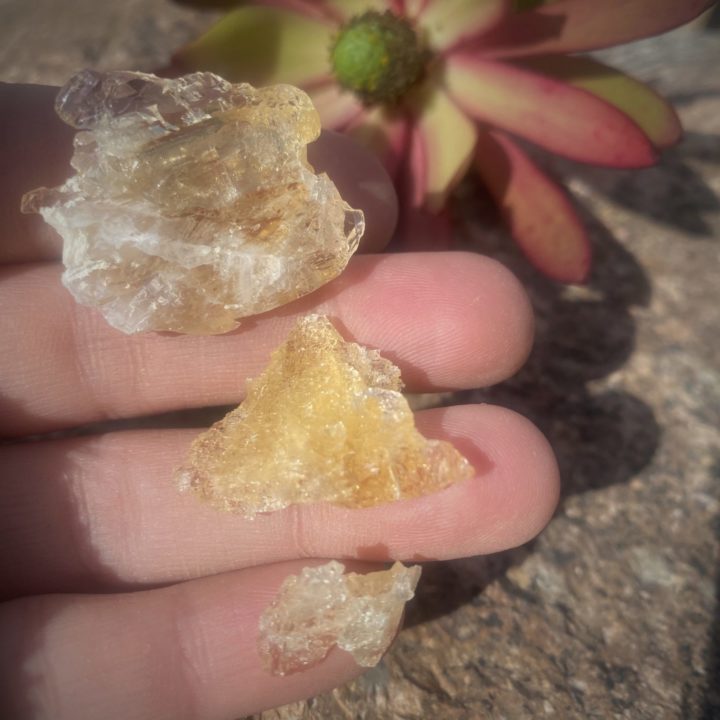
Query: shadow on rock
601,437
672,193
711,702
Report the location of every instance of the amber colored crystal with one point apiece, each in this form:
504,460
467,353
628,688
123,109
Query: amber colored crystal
325,422
192,203
322,607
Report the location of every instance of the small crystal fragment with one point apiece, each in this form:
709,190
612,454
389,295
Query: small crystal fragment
193,204
325,422
321,607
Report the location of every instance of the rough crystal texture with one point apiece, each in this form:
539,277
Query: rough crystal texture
193,203
325,421
321,607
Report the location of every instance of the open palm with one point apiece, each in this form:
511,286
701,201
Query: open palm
124,598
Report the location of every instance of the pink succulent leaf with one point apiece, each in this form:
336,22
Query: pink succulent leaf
262,45
446,23
337,107
655,116
577,25
415,181
564,119
387,134
441,144
538,212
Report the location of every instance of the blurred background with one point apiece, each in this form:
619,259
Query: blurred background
613,611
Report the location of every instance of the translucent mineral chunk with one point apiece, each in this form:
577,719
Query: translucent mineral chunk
193,203
325,421
321,607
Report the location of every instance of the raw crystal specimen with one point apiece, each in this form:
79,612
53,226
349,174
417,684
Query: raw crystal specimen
325,422
193,203
321,607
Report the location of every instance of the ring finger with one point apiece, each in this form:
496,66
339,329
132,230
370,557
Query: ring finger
103,513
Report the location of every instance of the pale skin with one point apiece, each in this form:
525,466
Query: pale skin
124,598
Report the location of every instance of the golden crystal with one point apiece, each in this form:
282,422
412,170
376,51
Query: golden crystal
193,203
321,607
325,422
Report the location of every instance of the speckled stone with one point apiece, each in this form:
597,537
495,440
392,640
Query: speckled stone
613,611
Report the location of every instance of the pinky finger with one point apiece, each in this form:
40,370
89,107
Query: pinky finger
183,652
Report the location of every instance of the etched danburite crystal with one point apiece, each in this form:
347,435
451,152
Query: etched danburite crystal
325,422
321,607
193,204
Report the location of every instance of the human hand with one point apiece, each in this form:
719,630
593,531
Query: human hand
123,597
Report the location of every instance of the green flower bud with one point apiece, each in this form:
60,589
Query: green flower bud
378,56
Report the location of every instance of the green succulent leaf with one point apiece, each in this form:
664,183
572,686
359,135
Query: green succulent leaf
655,116
262,45
441,147
447,23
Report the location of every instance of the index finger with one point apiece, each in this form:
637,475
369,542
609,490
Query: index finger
36,147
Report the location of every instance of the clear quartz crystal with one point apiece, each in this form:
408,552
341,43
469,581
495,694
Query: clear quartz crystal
193,204
322,607
325,422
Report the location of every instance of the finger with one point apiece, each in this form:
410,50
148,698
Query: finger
187,651
36,147
363,183
104,513
449,320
